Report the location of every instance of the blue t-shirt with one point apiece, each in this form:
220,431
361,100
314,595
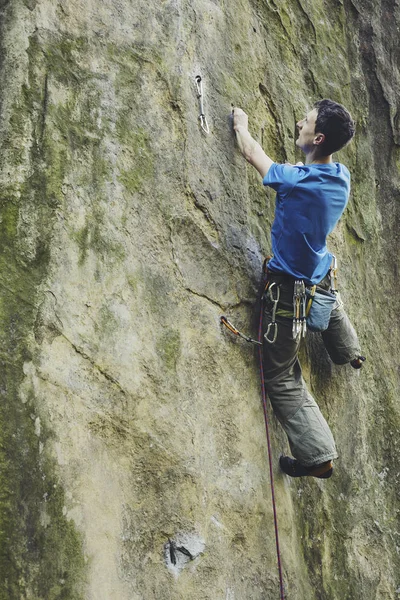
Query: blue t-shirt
310,200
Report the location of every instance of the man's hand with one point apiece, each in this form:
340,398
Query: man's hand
240,119
250,149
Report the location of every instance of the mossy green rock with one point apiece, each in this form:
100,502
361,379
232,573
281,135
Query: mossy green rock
133,460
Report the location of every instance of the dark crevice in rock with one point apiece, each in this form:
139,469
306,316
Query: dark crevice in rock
44,108
229,306
372,43
84,355
200,200
275,113
48,324
310,21
215,302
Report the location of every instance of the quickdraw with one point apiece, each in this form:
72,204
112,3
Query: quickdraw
299,309
272,328
310,301
202,116
233,329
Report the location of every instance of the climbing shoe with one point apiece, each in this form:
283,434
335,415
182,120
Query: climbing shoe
293,468
357,363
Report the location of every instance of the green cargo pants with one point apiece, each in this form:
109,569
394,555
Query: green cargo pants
310,438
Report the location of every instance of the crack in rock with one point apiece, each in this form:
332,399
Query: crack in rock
105,374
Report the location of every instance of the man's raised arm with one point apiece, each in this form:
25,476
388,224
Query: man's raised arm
248,146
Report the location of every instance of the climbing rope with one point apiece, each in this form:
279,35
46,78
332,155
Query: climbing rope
271,474
259,343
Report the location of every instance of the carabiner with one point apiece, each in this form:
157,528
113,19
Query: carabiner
299,309
204,124
333,274
271,295
273,326
202,116
275,335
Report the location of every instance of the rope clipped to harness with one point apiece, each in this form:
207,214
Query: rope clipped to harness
271,473
259,343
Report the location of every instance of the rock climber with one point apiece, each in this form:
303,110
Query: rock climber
310,199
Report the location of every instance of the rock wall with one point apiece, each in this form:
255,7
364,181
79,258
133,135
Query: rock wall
131,424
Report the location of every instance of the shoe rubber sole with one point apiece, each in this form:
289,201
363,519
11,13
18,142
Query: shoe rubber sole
293,468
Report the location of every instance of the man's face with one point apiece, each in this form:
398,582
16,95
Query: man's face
307,135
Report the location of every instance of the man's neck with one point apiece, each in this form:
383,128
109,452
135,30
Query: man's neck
313,159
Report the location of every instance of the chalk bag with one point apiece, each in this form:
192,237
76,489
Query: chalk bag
319,308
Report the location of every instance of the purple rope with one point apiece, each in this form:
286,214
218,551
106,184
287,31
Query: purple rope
264,401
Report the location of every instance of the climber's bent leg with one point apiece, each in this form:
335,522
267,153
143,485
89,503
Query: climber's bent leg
340,338
310,438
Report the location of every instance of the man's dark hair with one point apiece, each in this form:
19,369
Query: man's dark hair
335,122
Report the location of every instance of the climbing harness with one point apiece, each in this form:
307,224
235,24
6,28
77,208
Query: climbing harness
272,329
233,329
299,309
202,116
224,320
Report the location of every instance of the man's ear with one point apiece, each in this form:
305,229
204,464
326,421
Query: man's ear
319,139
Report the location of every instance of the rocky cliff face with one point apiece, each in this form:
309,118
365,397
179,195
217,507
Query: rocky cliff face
131,424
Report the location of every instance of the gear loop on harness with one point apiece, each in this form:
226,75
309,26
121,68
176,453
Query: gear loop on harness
272,330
